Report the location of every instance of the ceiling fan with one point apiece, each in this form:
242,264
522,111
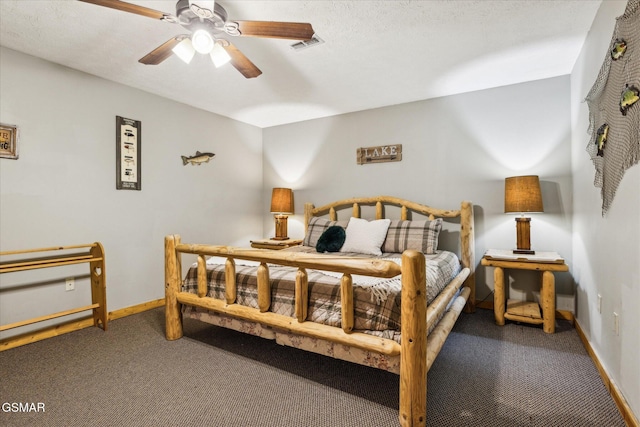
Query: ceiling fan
207,21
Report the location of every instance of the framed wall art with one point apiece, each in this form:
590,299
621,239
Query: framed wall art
128,154
8,141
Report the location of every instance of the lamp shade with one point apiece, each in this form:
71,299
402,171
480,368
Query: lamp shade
522,194
282,201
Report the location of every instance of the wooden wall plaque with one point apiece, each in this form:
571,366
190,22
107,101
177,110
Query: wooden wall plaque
379,154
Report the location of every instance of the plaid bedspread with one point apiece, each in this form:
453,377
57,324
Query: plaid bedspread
374,315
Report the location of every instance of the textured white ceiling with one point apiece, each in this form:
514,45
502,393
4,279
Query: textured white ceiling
376,53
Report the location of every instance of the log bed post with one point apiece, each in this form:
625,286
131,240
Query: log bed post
308,214
172,279
467,249
413,355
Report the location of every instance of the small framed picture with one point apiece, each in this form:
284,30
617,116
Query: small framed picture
8,141
128,154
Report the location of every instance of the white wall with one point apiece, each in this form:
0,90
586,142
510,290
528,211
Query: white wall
454,148
606,249
61,191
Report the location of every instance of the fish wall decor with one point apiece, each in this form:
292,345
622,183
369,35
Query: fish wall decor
618,50
630,95
197,159
614,100
601,138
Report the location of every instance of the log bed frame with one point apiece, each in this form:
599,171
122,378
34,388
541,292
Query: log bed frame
415,353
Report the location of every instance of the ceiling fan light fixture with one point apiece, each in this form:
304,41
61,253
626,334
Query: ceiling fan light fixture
202,41
184,50
219,56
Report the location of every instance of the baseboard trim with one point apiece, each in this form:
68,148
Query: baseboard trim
625,410
73,325
135,309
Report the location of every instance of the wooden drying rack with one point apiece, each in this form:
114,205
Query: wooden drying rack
96,259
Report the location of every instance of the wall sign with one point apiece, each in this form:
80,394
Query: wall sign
8,142
128,154
379,154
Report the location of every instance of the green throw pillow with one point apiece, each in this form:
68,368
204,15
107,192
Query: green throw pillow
332,239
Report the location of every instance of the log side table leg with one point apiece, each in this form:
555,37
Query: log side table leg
548,297
498,295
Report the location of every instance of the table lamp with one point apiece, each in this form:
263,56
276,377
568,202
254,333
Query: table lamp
281,206
522,194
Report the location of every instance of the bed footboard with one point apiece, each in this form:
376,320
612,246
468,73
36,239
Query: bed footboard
347,266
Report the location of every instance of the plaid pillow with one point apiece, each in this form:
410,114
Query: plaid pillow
316,227
419,235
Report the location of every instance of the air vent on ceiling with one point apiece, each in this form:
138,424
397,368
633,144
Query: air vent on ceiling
315,40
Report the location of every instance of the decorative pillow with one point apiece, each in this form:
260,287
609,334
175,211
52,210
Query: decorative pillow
331,240
316,227
418,235
364,236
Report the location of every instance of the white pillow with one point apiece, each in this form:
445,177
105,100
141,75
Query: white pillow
365,237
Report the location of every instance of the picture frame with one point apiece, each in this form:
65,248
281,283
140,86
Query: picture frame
8,141
128,154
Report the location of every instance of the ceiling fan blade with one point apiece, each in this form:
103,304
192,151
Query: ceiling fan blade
133,8
275,30
162,52
241,62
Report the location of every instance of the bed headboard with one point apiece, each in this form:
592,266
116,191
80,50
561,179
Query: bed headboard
465,213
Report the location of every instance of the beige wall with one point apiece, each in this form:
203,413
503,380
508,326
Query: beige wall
61,191
606,249
454,148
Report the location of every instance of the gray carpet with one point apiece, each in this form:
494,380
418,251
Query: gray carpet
131,376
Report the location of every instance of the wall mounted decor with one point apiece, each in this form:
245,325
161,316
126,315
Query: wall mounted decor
8,142
614,110
379,154
197,159
128,154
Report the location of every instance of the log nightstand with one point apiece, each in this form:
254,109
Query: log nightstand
524,311
275,244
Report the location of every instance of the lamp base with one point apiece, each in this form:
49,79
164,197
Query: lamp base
523,237
281,228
